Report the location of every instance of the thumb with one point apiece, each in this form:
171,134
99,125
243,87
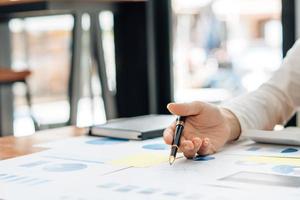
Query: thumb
186,109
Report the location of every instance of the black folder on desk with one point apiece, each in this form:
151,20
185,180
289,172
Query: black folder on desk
135,128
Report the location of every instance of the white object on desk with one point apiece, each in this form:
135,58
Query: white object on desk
288,136
89,168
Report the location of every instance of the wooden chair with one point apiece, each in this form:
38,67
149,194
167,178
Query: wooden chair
9,77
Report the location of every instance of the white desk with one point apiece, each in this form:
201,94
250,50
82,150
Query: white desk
84,167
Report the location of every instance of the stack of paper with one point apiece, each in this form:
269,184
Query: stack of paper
106,168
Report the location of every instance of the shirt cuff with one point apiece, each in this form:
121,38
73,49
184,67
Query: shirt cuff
235,109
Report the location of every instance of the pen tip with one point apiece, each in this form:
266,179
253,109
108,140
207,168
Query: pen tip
171,160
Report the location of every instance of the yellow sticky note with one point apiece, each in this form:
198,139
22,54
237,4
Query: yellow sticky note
275,160
141,160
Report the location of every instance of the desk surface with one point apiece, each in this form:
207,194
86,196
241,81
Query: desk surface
235,174
17,146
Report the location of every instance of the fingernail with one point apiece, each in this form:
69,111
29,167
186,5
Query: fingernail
185,147
182,146
206,141
169,104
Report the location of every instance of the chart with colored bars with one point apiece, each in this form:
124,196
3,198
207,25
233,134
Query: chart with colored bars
107,168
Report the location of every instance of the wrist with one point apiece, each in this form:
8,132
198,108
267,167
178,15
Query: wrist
233,123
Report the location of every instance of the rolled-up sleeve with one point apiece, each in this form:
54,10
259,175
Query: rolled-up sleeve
275,101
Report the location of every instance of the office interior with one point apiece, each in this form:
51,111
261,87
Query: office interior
203,50
69,65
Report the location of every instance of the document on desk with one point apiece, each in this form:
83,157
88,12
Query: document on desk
197,178
206,182
39,169
93,168
251,148
82,140
36,177
116,152
121,151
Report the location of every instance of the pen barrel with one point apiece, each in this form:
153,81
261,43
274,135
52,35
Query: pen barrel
178,132
176,141
174,150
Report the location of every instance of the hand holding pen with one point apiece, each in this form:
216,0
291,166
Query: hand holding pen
206,129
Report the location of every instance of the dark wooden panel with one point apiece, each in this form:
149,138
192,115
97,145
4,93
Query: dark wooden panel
131,60
289,35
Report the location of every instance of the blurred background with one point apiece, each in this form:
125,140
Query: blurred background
221,49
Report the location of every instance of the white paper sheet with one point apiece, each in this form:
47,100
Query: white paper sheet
99,168
255,149
111,151
37,172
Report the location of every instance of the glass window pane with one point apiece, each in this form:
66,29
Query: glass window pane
42,45
223,48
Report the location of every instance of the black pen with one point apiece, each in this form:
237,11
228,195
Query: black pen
176,141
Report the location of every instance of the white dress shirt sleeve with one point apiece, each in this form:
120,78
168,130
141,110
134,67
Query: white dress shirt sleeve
275,101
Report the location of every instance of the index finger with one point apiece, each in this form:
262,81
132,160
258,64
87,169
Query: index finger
169,133
186,109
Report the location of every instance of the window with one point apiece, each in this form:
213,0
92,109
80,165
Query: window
43,44
223,48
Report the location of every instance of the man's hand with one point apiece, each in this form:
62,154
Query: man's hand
207,128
